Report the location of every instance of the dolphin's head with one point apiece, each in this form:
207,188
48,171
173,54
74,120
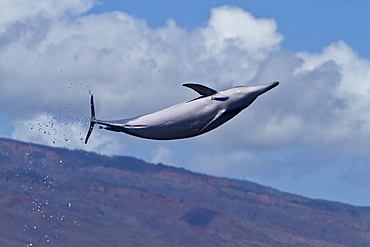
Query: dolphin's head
242,97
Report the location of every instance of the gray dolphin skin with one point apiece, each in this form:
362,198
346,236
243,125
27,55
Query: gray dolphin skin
187,119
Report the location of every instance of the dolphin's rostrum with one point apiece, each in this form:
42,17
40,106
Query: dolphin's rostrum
187,119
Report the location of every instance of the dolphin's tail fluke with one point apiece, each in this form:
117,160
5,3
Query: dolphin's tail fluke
92,120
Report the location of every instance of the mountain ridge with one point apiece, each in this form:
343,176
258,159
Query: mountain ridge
60,196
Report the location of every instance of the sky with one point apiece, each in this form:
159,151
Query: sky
309,136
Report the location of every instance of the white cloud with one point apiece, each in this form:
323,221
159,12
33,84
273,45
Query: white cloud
233,163
237,41
230,26
25,12
163,154
349,101
52,54
50,130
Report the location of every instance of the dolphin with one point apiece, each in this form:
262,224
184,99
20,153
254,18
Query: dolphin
188,119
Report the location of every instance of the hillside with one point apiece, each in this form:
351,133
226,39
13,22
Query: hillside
59,197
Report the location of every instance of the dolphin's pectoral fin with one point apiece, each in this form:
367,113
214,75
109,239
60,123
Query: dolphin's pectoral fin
202,90
213,119
220,98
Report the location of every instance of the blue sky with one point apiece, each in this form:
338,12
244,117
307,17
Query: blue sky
309,136
306,25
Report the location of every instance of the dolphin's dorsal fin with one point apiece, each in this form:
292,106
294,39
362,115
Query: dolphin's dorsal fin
202,90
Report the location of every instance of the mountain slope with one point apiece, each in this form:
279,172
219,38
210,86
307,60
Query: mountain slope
59,197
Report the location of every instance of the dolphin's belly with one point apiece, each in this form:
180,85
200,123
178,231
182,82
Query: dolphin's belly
168,131
180,121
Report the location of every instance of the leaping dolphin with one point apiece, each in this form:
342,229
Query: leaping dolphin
187,119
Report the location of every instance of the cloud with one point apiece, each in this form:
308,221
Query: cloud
163,154
51,130
347,121
51,55
28,13
233,163
231,26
